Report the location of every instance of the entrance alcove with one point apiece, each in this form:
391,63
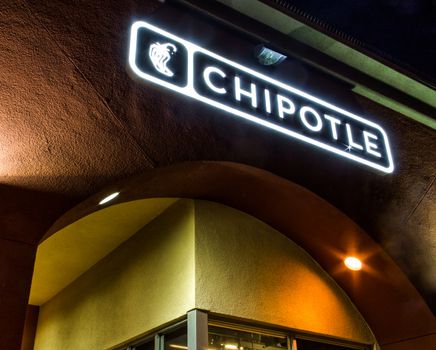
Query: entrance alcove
193,254
236,241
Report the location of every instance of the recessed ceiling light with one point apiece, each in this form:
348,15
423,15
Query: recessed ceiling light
108,198
353,263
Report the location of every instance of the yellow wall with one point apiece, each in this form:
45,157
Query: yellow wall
147,281
197,254
246,269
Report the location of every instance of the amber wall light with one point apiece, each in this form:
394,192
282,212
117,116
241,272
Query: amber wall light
353,263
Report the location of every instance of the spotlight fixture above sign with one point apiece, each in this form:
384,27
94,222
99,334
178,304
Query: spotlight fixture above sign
177,64
268,57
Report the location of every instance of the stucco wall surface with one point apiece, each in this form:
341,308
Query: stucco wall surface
246,269
146,282
198,254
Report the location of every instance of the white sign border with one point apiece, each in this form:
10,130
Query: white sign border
189,90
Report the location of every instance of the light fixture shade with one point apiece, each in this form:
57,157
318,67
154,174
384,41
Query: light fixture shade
268,57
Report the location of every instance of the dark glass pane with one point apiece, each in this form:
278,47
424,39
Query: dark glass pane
146,346
177,339
314,345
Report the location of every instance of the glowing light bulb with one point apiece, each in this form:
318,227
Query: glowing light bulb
353,263
108,198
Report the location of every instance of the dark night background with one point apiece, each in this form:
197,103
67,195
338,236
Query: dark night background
402,31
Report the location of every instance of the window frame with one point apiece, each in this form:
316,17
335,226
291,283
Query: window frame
198,321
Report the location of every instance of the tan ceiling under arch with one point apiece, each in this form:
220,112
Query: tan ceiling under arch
74,249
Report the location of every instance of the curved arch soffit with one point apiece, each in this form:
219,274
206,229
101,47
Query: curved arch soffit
322,230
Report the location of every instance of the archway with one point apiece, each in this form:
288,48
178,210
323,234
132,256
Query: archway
387,300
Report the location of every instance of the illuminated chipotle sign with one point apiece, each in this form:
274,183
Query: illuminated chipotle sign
174,63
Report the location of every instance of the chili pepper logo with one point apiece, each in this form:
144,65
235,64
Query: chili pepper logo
160,54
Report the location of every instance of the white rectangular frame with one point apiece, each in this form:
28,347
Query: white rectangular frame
189,90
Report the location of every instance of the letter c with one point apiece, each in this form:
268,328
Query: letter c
206,76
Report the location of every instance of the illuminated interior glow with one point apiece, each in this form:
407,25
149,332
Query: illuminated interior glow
189,90
353,263
108,198
231,347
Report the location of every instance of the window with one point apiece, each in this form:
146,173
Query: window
221,335
170,338
149,345
175,340
229,339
